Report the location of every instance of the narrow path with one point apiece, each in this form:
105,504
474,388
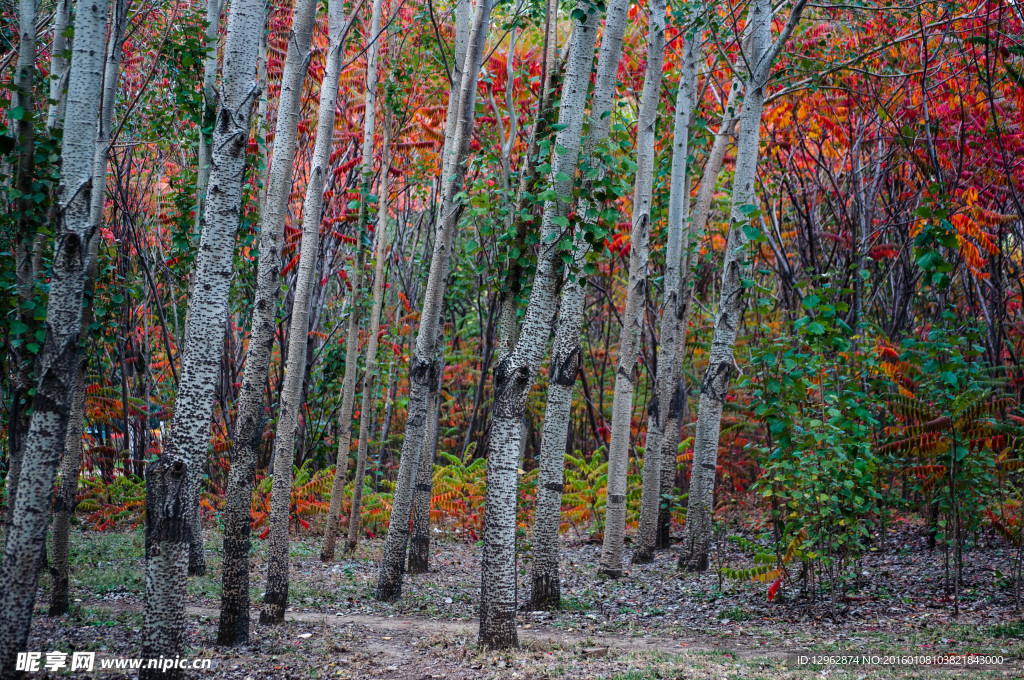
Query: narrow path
534,634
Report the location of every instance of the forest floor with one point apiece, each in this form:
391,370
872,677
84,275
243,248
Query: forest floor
655,622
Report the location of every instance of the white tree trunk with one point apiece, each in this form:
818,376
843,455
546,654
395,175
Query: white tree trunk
57,370
348,383
514,375
234,621
214,8
276,597
372,368
566,353
26,233
636,296
72,461
187,445
690,250
58,65
672,307
715,384
419,548
423,367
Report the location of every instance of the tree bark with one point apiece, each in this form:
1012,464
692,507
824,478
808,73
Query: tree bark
419,548
168,504
514,375
672,308
423,369
208,305
58,65
58,362
214,9
234,621
566,353
636,297
26,221
65,501
276,598
715,383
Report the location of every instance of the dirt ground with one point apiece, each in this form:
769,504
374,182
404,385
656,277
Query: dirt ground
655,622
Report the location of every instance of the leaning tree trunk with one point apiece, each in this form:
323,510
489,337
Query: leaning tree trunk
234,620
566,353
672,308
25,233
636,297
348,383
64,504
166,557
419,548
57,369
521,217
672,432
372,368
214,8
715,384
423,369
276,598
514,375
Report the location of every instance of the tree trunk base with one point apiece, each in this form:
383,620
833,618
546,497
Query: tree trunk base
234,627
419,555
498,627
196,564
643,555
273,609
663,539
693,563
611,572
389,591
59,596
546,593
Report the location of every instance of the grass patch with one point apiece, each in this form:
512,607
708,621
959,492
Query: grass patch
735,614
1008,630
575,604
102,563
